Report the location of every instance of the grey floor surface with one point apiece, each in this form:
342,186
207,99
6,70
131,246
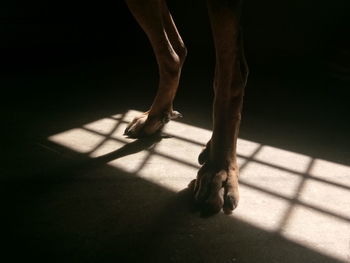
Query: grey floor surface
74,189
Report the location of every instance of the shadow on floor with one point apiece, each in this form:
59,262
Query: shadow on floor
104,214
67,208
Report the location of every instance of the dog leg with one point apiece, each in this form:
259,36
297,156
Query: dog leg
155,19
216,186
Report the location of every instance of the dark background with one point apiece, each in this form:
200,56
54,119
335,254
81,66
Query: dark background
67,63
62,57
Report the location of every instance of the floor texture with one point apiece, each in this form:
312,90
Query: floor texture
74,189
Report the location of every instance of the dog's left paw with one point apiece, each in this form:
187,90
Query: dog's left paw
146,125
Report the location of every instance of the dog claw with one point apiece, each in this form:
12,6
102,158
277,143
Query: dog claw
171,116
174,115
229,205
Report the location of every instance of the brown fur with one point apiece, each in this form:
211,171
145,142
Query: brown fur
216,186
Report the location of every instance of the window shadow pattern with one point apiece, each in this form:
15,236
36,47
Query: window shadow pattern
109,130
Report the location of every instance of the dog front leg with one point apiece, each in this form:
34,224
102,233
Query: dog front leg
155,19
216,186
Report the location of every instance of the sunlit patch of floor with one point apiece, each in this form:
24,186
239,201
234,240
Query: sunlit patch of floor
301,198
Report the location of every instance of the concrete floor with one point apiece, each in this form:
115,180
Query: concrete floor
74,189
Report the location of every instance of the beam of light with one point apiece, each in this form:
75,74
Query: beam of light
326,234
282,158
79,140
301,198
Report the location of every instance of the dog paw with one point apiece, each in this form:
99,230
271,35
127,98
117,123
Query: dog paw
216,189
146,125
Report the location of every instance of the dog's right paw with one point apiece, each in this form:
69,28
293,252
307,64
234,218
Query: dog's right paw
215,189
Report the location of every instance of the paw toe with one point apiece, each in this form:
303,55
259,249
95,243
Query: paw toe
230,204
